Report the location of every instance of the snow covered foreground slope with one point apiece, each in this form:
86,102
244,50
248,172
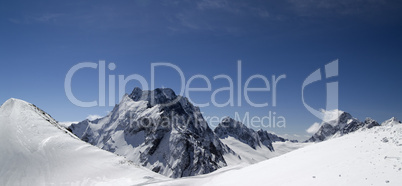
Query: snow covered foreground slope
366,157
35,150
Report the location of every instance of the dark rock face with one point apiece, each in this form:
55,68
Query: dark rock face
161,131
326,130
236,129
272,137
370,123
344,124
265,139
276,138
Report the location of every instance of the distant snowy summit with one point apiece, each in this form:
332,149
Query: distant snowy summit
339,123
391,122
274,137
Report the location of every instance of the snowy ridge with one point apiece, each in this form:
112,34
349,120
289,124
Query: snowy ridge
392,121
50,119
236,129
35,150
159,130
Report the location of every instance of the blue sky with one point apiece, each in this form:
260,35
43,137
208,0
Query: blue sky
42,40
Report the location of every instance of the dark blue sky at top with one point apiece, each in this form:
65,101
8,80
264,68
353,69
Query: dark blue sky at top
41,40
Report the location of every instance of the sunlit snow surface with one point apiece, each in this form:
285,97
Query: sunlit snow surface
35,150
366,157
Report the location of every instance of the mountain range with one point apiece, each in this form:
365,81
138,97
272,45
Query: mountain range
340,123
167,134
148,132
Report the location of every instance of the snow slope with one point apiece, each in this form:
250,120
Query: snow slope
365,157
229,127
250,146
36,150
248,155
245,153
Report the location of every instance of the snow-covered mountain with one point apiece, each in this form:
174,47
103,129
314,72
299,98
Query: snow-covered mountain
236,129
159,130
36,150
338,123
391,122
365,157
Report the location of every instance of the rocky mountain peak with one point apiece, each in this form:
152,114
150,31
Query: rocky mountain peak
159,130
154,97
